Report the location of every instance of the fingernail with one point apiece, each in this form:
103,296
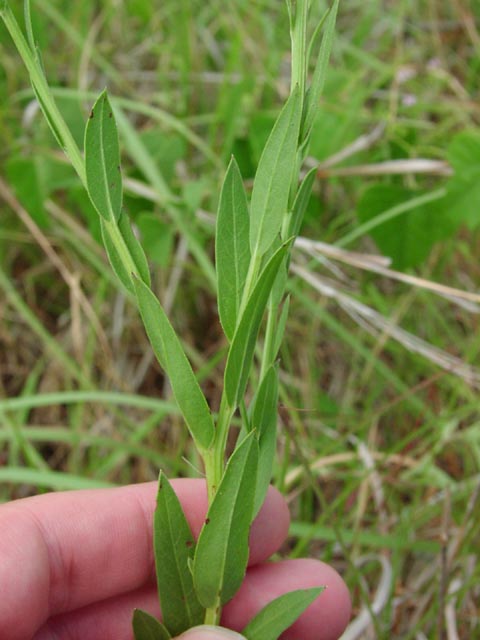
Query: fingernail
207,632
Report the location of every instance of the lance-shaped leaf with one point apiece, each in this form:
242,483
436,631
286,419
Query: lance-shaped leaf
279,614
264,422
319,75
132,246
293,228
221,555
273,179
240,354
170,354
282,323
301,202
174,545
232,249
146,627
102,160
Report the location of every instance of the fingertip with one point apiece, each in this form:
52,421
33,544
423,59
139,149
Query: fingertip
329,614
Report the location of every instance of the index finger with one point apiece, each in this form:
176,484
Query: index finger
60,552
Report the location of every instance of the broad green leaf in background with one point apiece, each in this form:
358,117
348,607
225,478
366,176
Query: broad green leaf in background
174,545
102,160
409,237
463,188
232,249
264,422
146,627
221,555
29,178
279,614
320,72
170,354
241,350
157,237
134,248
273,180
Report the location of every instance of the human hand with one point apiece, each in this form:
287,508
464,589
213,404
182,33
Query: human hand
74,565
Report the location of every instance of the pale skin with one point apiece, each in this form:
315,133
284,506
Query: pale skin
74,565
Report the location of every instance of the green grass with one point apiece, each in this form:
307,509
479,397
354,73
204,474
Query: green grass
379,448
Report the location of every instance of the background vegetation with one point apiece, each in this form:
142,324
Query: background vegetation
379,451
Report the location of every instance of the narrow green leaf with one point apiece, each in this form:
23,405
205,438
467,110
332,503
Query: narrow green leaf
174,545
221,556
279,614
273,180
240,354
146,627
301,202
134,248
264,422
282,322
320,73
293,228
170,354
232,249
102,160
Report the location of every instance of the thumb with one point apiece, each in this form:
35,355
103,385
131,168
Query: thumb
207,632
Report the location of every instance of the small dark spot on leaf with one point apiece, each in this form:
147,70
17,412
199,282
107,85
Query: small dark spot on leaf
112,184
189,543
91,114
118,167
110,114
207,521
160,486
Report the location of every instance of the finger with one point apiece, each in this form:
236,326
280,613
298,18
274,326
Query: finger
325,619
60,552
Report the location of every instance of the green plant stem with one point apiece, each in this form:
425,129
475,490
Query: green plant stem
212,614
43,91
250,280
225,416
116,237
214,461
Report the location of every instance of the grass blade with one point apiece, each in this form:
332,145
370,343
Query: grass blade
174,546
146,627
241,350
273,180
102,160
279,614
170,354
232,251
57,480
222,550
